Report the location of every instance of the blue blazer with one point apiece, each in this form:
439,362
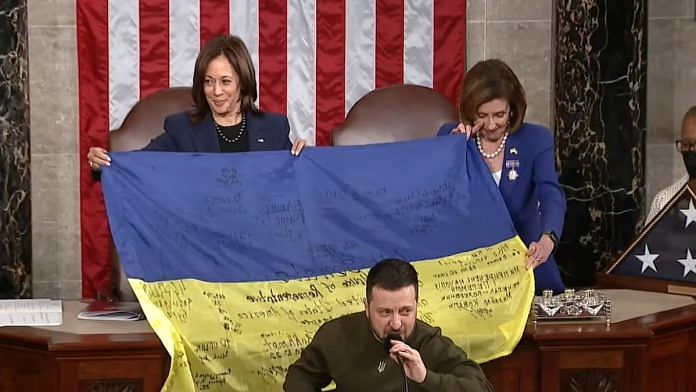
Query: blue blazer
267,132
534,199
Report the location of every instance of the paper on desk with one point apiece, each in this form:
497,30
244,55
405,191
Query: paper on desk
112,311
27,312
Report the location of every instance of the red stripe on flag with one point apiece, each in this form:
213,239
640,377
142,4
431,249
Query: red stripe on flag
215,19
449,50
93,98
272,72
154,46
330,72
389,49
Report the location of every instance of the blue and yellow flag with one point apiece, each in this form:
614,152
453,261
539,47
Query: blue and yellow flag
237,259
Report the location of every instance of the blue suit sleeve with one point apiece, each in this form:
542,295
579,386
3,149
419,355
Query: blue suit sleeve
446,129
165,141
548,191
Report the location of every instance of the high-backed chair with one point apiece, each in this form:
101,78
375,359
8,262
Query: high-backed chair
395,113
144,122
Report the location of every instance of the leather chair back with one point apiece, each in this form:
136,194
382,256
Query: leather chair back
395,113
144,122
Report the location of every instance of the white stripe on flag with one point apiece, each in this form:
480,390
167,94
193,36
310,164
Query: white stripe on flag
124,59
418,42
360,50
184,39
244,23
301,76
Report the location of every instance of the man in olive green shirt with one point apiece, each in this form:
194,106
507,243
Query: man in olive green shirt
351,349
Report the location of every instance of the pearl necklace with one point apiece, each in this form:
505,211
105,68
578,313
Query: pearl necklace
239,134
495,153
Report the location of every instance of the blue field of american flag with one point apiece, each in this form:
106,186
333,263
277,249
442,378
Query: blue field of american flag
666,249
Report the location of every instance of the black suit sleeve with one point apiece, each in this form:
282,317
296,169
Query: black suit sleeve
286,134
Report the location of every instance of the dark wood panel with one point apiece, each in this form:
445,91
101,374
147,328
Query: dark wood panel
24,370
38,360
672,358
515,372
590,381
112,386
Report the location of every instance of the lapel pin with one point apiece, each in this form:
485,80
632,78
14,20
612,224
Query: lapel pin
513,150
260,140
381,366
512,175
512,164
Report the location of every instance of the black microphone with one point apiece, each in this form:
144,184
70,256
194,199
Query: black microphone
387,346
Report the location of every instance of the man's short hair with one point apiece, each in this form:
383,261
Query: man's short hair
391,275
691,113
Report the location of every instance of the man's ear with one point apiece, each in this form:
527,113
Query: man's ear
367,307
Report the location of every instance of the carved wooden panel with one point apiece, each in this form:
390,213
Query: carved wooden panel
589,381
135,385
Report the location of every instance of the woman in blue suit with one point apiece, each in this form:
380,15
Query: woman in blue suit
225,118
521,159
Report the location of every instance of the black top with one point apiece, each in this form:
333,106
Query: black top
235,138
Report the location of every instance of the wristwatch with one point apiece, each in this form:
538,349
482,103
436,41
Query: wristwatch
554,238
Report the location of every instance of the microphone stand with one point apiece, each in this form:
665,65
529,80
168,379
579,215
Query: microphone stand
403,372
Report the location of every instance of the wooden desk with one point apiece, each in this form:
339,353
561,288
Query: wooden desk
82,356
653,352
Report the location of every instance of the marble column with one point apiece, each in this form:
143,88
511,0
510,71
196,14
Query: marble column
15,201
600,88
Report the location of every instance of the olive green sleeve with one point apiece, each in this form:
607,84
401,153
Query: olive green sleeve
310,372
449,368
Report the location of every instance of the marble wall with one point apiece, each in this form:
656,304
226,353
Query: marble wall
519,33
54,143
15,208
600,81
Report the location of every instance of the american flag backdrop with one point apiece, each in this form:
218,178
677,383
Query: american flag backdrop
314,59
667,251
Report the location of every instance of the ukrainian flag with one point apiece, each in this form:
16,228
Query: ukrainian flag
237,259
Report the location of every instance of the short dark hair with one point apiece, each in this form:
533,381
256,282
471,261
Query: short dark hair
391,275
236,52
489,80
